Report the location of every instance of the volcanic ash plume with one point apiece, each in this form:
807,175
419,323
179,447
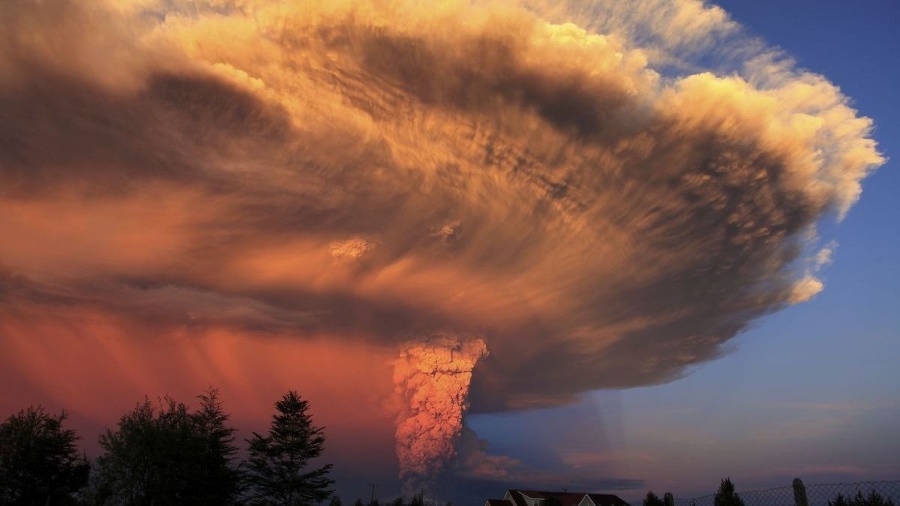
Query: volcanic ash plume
349,171
431,379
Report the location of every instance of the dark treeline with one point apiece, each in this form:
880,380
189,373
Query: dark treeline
727,496
417,500
165,453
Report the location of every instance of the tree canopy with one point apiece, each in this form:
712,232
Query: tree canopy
873,499
726,496
39,463
653,499
166,454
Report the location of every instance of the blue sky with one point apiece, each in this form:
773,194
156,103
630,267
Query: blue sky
812,391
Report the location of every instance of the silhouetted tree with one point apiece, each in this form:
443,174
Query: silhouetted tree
98,491
169,456
840,500
726,496
358,502
800,498
335,501
873,499
218,481
374,502
144,459
397,502
653,499
278,467
39,463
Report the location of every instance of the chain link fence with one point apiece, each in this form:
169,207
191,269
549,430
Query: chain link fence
807,495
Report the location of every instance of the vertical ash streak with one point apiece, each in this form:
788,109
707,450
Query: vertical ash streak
432,378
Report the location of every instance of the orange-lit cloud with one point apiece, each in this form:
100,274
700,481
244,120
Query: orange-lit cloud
319,178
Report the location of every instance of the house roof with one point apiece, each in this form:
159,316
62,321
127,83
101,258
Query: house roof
565,498
607,500
517,498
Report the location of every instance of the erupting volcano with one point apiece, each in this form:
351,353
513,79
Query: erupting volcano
432,375
204,183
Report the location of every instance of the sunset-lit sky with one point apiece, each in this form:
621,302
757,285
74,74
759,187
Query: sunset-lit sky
629,235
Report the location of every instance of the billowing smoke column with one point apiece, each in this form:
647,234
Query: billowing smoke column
432,378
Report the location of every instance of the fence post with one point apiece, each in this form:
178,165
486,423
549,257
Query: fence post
800,493
669,499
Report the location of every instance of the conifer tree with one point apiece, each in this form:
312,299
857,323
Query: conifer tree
726,496
279,466
217,481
